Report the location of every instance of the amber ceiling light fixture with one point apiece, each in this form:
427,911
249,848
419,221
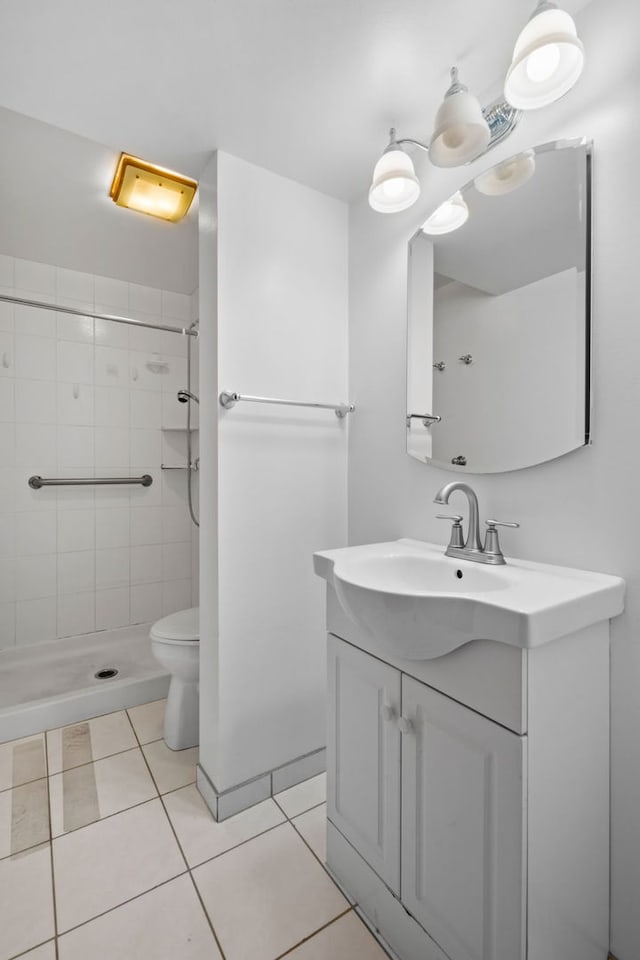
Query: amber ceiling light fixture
150,189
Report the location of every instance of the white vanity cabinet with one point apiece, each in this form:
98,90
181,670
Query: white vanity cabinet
468,795
363,777
463,826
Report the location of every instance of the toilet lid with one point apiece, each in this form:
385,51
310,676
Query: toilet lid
183,625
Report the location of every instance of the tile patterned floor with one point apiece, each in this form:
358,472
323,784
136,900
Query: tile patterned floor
108,850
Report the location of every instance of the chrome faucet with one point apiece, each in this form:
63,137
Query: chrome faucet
471,549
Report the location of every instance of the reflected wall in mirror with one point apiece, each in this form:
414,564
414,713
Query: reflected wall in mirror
499,316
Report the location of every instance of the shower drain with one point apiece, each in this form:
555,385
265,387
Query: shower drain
106,674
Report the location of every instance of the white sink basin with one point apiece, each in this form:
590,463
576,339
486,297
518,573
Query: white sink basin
421,604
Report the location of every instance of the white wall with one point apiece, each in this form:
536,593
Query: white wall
580,510
527,345
208,385
78,398
282,332
56,209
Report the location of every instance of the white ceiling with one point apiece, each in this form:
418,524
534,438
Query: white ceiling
534,232
306,88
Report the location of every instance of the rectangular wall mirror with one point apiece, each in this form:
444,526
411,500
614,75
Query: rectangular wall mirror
499,314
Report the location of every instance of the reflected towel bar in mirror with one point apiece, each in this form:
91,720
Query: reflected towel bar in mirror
428,419
229,399
36,482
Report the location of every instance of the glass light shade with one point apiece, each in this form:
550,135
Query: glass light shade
507,176
449,216
547,60
395,186
150,189
461,132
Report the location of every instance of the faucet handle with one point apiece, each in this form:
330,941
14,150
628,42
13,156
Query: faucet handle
491,543
457,540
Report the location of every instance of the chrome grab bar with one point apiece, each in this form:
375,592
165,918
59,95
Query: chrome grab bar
229,399
36,482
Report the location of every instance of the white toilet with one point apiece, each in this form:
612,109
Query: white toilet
175,641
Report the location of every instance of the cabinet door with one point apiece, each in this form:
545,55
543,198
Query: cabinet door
463,827
363,756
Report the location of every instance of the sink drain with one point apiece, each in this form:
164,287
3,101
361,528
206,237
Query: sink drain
106,674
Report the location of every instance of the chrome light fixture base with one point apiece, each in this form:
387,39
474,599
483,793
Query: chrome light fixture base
502,119
500,115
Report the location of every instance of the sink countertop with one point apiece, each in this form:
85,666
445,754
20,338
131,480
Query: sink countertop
410,588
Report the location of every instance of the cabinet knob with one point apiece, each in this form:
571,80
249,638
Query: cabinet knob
405,725
388,713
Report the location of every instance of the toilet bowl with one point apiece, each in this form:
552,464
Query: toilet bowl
175,642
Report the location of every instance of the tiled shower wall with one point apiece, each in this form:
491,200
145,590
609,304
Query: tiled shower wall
80,397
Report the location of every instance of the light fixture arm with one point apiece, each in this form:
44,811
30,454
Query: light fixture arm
500,115
394,144
414,143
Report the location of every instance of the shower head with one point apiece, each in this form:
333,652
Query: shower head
185,395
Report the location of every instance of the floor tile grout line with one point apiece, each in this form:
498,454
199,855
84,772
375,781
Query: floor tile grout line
374,933
29,849
108,756
229,850
305,841
241,843
286,822
54,903
139,747
26,783
307,844
191,877
87,763
302,812
321,862
299,814
25,953
315,933
130,722
98,716
45,735
184,786
116,906
206,913
109,816
155,782
189,870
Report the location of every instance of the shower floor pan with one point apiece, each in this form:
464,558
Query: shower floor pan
51,684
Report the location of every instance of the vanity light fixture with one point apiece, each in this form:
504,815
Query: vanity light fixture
461,132
395,185
547,60
464,130
450,216
507,176
150,189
